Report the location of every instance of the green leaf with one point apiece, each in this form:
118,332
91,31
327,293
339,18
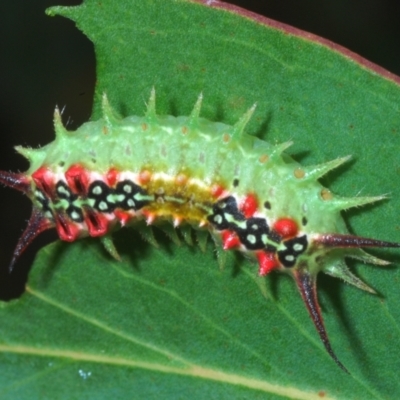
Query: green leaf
167,323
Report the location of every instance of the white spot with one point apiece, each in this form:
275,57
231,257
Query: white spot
75,215
62,190
150,219
110,198
289,258
97,190
127,188
103,206
218,219
251,239
83,374
131,203
298,247
177,221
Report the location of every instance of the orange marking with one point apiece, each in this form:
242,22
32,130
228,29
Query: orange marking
267,262
150,217
181,179
122,216
249,205
177,220
144,176
226,137
286,227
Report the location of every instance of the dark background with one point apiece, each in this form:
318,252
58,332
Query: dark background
47,61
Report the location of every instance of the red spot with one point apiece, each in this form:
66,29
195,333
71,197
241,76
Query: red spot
122,216
286,227
43,179
112,176
230,240
97,223
77,178
267,262
66,230
249,205
217,190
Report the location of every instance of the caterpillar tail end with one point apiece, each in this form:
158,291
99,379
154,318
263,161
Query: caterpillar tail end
16,181
37,222
351,241
36,225
307,286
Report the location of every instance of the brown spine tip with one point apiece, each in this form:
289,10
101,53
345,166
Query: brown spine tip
36,224
351,241
308,290
15,181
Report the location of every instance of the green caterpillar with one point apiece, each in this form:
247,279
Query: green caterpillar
191,172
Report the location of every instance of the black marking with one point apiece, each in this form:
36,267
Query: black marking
267,205
274,236
64,192
99,191
251,236
44,202
129,196
224,208
133,195
304,221
294,247
235,182
254,233
75,213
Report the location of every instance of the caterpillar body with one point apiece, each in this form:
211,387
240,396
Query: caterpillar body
248,194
